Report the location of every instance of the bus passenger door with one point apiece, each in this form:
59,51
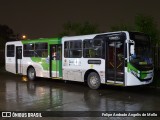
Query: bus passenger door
115,61
56,61
18,59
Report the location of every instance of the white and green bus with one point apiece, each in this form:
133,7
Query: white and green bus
116,58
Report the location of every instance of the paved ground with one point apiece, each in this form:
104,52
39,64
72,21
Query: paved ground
17,94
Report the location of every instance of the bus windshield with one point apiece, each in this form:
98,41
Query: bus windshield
142,55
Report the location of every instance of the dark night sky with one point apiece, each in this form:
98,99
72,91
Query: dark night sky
44,18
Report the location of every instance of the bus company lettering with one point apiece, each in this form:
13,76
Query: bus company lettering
114,38
74,62
15,114
34,115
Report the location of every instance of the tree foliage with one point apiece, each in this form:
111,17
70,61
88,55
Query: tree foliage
6,34
121,27
147,25
78,29
144,24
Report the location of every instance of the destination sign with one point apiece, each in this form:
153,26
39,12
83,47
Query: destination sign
114,38
94,61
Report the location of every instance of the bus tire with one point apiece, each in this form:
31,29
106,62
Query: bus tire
31,73
93,80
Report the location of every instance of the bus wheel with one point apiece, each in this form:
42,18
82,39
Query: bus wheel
31,74
93,80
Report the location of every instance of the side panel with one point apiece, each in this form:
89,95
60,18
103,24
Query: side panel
75,69
12,63
75,65
41,66
72,69
41,63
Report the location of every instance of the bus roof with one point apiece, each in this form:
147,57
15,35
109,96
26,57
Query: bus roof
90,36
39,40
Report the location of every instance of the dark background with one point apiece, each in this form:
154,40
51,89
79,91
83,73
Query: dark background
44,18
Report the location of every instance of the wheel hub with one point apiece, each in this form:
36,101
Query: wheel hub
31,74
94,80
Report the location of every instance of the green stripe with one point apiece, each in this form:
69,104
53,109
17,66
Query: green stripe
42,40
131,67
142,74
42,62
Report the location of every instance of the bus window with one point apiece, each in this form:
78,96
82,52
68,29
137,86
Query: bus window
73,49
97,43
57,52
10,50
92,48
28,50
41,49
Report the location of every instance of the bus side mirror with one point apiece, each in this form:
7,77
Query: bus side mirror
132,49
